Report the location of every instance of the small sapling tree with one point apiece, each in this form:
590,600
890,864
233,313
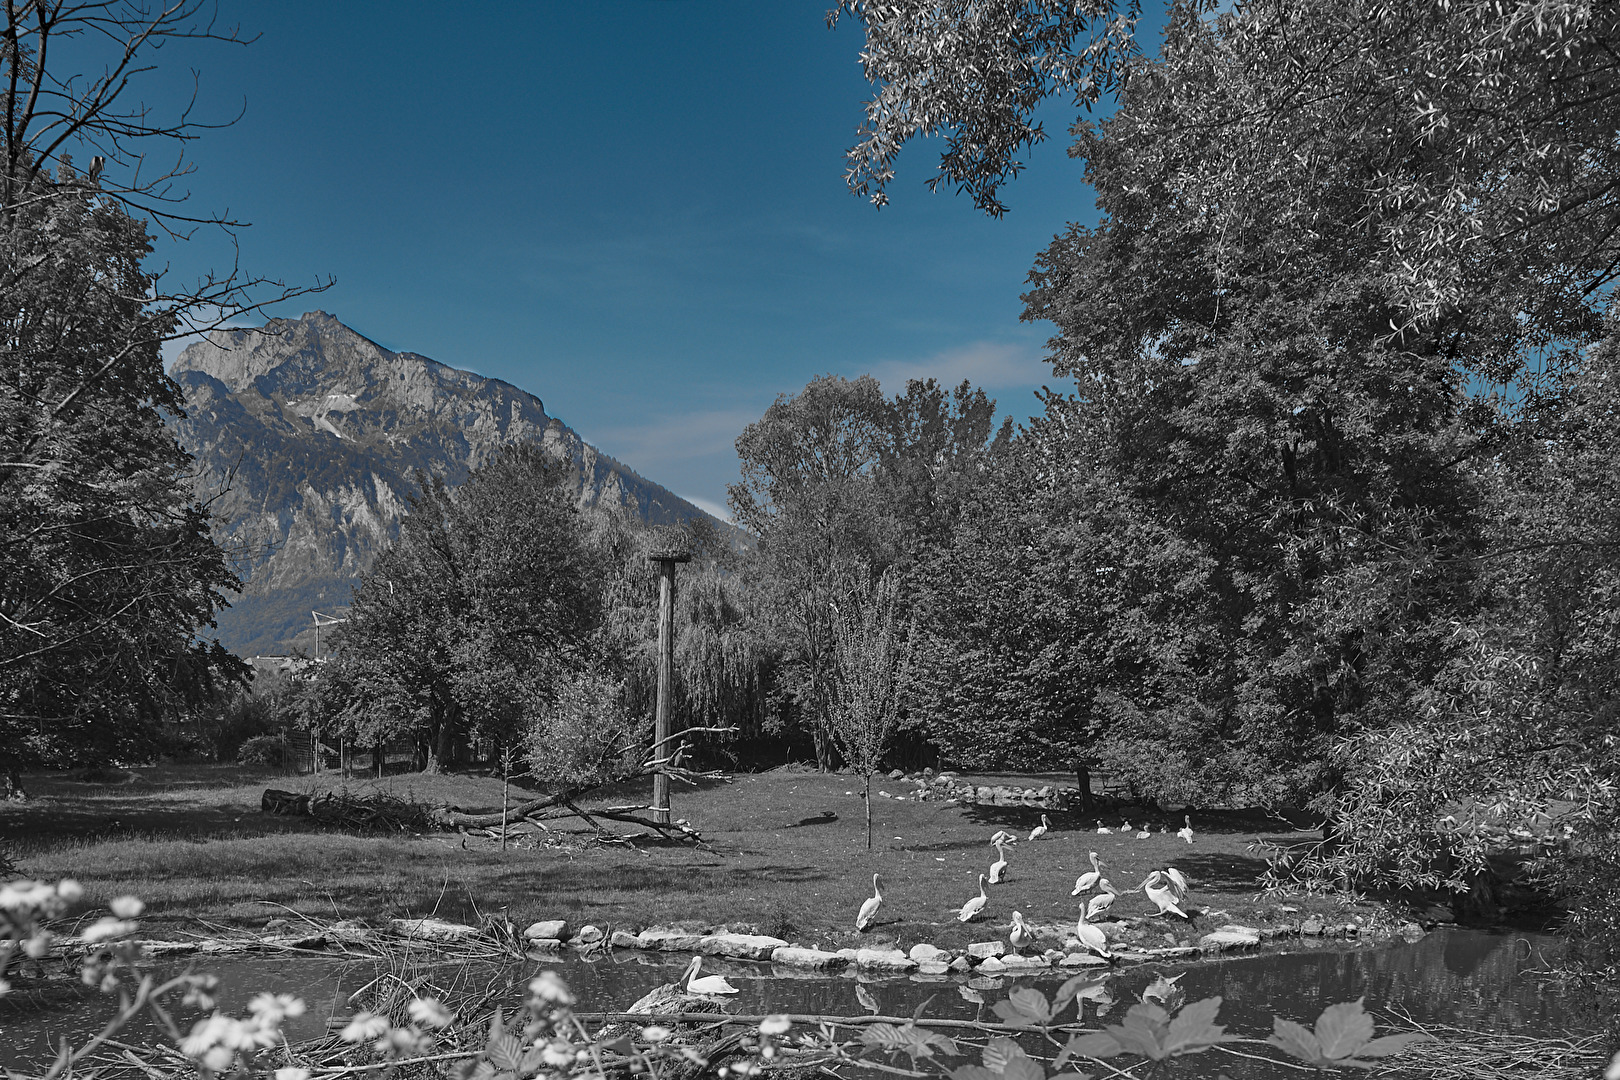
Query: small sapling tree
871,654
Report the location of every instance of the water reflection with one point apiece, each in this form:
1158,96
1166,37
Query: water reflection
1468,978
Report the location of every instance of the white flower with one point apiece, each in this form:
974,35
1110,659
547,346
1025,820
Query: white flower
38,945
557,1054
364,1027
775,1025
292,1073
69,890
104,929
5,987
219,1058
430,1012
653,1033
206,1034
271,1009
127,907
548,986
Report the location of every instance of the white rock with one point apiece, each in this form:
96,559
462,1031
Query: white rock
547,928
814,959
990,965
742,946
884,960
925,951
432,929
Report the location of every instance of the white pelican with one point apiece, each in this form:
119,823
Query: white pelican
971,909
1092,938
998,869
1176,879
1125,826
709,984
1165,898
1185,832
870,908
1103,830
1145,833
1002,836
1021,934
1088,880
1099,904
1040,830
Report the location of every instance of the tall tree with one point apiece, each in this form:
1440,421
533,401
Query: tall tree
105,553
469,621
807,493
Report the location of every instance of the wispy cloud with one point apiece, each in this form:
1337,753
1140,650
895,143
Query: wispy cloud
989,364
709,507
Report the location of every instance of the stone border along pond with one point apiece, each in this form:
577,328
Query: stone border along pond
552,936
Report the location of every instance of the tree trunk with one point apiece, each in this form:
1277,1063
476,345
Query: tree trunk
439,750
1082,773
14,789
868,811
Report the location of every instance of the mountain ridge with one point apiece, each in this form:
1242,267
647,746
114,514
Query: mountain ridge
307,436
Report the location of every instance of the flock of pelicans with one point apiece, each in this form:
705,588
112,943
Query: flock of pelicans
1166,888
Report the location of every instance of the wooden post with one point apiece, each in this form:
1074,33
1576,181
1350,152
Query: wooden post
665,556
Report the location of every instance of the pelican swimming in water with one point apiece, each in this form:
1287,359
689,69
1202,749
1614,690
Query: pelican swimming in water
998,869
1185,832
1088,880
1154,889
869,909
971,909
1040,830
1092,938
1021,934
709,984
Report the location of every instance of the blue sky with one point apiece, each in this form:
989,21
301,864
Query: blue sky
634,210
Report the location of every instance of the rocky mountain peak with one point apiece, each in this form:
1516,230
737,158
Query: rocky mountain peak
313,432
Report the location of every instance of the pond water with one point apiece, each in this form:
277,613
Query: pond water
1468,978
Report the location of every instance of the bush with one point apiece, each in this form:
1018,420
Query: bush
273,750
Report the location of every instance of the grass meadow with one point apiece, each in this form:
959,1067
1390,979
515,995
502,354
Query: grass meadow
193,843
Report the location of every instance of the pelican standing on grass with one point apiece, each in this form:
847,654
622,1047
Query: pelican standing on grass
1088,880
869,909
709,984
971,909
1185,832
1155,890
1178,881
1099,904
998,869
1040,830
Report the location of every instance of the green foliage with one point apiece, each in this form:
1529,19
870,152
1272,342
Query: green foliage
469,620
836,479
109,567
587,734
1152,1033
271,750
1343,1035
